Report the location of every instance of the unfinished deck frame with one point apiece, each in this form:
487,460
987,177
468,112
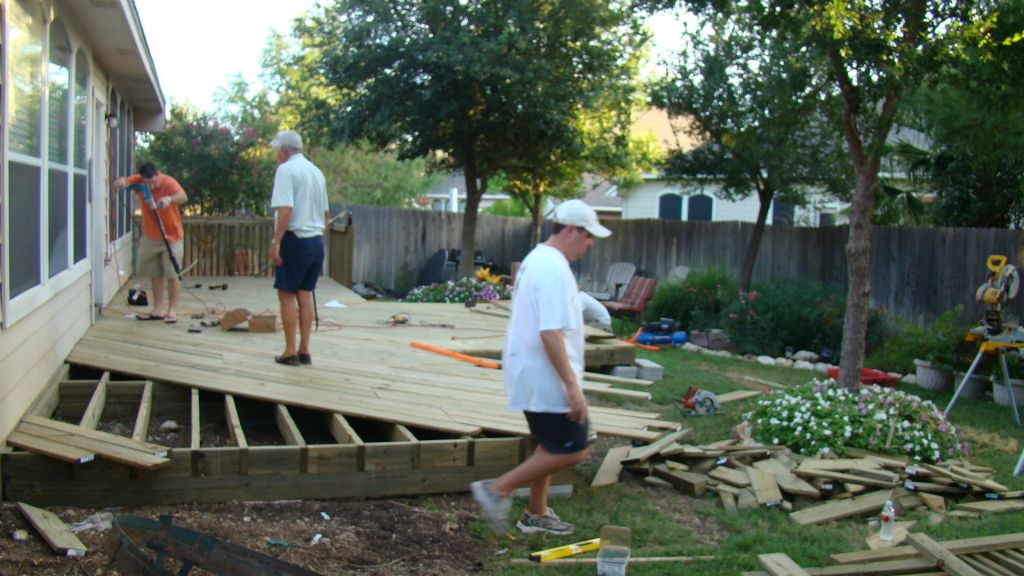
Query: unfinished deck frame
314,455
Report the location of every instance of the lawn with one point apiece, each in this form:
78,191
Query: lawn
666,523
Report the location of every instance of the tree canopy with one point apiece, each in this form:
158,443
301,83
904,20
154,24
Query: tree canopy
474,86
760,105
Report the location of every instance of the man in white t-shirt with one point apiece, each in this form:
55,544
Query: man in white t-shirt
300,202
543,366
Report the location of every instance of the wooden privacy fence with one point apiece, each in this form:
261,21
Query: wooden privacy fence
917,273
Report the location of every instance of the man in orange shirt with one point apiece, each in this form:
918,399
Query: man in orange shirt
153,259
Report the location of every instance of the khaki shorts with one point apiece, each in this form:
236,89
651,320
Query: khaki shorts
153,261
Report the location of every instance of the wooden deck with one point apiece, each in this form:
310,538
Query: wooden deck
404,419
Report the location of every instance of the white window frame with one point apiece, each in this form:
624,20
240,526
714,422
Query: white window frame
15,309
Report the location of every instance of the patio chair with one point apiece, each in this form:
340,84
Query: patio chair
619,274
634,300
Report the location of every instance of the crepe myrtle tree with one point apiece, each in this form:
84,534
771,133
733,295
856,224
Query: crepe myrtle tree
472,85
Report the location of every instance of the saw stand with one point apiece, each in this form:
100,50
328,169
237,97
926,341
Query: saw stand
1009,341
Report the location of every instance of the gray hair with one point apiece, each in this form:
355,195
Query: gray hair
287,139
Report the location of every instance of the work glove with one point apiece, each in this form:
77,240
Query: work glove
163,202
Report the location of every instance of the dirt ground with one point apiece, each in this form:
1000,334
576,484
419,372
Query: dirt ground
396,536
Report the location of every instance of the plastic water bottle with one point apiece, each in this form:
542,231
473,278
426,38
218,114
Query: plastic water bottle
888,519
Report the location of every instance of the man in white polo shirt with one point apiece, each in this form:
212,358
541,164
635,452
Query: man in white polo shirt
543,366
302,213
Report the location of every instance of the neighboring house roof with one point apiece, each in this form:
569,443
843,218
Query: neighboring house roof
669,133
115,37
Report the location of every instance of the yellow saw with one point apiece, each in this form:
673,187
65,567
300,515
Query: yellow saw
1000,286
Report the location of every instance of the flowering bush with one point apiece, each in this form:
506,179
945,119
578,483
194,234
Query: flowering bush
484,275
461,290
821,417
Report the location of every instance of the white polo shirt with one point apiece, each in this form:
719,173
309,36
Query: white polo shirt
301,186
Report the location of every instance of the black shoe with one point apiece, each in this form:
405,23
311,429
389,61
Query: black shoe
292,360
305,358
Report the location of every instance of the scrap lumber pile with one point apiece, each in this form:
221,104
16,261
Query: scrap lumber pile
812,490
992,555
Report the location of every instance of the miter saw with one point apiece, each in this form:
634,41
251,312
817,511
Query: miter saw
1000,286
699,402
998,337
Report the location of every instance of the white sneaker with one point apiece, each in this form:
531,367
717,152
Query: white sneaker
494,507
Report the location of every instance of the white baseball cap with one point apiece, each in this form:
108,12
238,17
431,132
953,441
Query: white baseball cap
578,213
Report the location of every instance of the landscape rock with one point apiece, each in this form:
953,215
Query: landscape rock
803,365
821,367
909,379
806,355
766,360
784,362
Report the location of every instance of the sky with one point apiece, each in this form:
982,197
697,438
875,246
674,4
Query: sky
195,56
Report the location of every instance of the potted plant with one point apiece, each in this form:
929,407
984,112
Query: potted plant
1000,390
937,347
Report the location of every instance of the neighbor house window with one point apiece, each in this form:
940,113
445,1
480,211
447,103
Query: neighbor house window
698,208
670,207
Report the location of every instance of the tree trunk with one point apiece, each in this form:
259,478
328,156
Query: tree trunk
536,217
858,266
765,195
468,244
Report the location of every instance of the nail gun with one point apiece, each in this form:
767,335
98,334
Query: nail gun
699,402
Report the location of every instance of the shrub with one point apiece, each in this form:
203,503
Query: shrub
803,314
940,342
696,302
461,290
820,417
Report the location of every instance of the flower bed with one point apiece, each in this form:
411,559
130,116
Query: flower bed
821,417
461,290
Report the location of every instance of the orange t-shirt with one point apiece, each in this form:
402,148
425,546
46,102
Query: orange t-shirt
169,216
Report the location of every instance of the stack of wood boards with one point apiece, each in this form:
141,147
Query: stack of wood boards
820,490
993,555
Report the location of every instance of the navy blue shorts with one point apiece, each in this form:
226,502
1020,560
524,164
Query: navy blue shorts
556,433
302,259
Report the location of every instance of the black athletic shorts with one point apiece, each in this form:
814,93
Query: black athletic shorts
556,433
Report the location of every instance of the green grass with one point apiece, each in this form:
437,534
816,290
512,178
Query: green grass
666,523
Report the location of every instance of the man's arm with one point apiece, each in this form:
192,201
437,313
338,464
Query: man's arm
554,348
284,216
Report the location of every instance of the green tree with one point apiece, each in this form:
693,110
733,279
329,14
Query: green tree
473,85
356,174
224,170
759,104
974,118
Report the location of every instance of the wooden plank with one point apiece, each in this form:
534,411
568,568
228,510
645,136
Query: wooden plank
991,505
763,484
731,476
235,431
686,482
778,564
642,453
945,559
94,411
47,400
47,447
843,477
789,483
342,431
145,409
112,439
400,433
53,530
109,450
286,425
960,547
194,423
610,379
900,530
737,395
611,466
835,510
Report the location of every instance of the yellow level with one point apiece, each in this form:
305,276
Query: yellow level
567,550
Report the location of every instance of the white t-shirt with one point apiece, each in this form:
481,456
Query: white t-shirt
545,297
301,186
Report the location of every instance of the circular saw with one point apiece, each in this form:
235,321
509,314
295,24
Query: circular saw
699,402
